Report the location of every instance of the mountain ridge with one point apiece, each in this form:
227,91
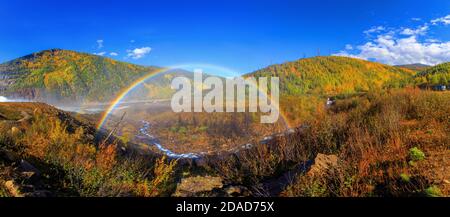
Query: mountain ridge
415,66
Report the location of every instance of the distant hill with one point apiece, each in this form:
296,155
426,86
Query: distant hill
69,75
418,67
439,74
333,75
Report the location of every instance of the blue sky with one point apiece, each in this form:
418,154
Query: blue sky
241,35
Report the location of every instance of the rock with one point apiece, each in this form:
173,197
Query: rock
90,137
13,188
290,131
195,186
15,131
31,177
237,191
200,162
28,174
27,167
323,164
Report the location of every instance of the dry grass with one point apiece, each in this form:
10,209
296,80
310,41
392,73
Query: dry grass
389,144
372,135
74,164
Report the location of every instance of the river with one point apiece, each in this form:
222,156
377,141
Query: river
144,130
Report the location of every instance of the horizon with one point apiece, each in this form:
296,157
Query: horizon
240,36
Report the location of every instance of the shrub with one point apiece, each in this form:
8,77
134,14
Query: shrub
3,192
405,177
182,130
415,154
433,191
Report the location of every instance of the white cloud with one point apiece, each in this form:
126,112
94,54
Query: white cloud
132,41
100,53
100,43
345,53
432,40
348,47
138,53
421,30
374,29
113,54
416,19
405,51
442,20
402,46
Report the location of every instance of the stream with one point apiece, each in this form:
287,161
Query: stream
144,131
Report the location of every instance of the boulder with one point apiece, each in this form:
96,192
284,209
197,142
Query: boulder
237,191
198,185
323,164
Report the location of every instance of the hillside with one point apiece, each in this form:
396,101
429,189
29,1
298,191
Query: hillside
439,74
333,75
48,152
67,75
417,67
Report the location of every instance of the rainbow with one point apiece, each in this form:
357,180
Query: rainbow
123,93
113,104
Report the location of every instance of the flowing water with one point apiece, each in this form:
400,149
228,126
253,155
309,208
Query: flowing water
144,130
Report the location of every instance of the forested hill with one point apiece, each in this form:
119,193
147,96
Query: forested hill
333,75
64,74
439,74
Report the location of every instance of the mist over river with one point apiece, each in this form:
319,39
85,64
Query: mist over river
5,99
100,107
